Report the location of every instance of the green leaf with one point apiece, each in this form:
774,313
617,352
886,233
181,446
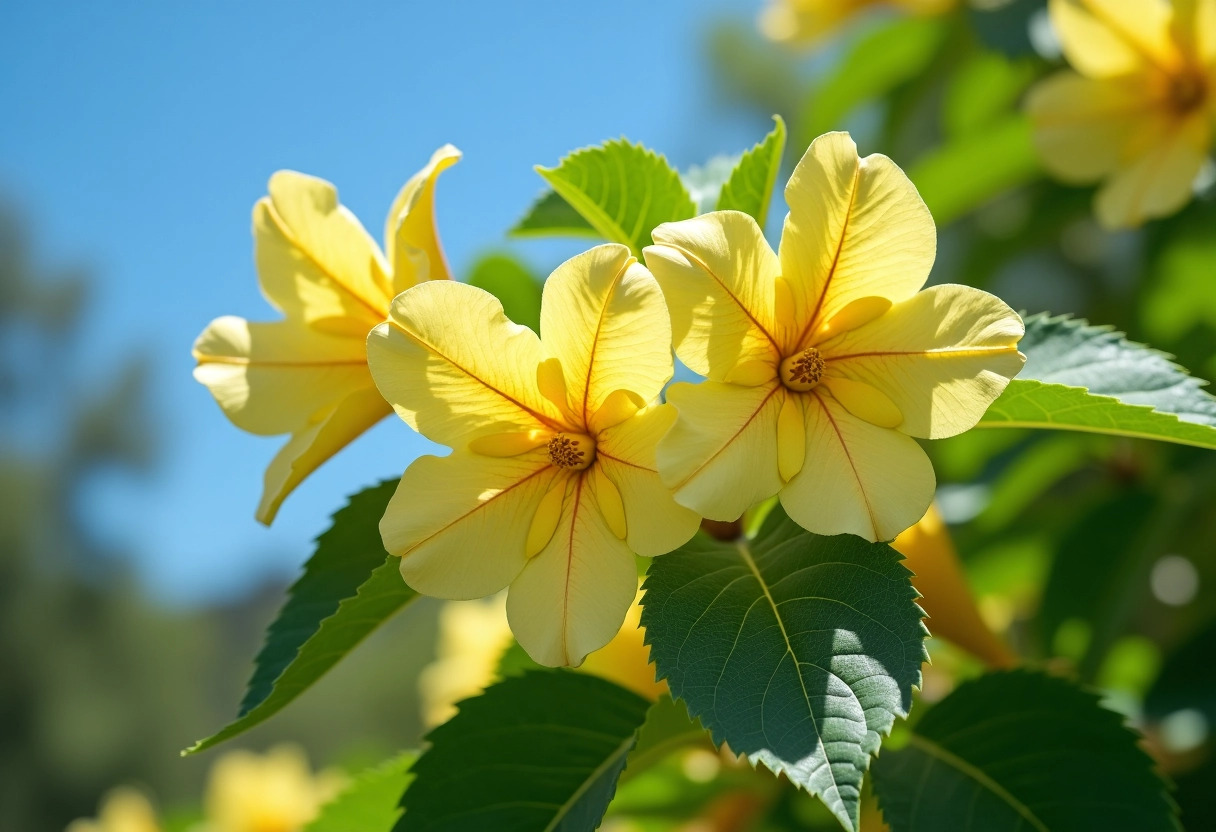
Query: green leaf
750,187
623,190
1021,750
799,650
509,280
1090,378
877,63
372,802
541,751
552,216
350,586
668,727
965,173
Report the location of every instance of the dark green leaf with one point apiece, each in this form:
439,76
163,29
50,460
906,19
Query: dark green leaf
541,751
623,190
667,728
350,586
1188,679
1021,750
552,216
1089,378
799,650
371,803
504,277
750,187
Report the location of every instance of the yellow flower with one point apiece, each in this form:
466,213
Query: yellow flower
274,792
824,361
122,810
1137,112
307,375
807,21
551,484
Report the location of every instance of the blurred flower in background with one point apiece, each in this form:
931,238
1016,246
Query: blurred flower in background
472,638
122,810
806,22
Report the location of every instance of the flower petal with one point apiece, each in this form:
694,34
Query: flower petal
459,522
941,357
718,275
455,368
859,479
626,659
309,447
572,597
856,228
1106,38
603,317
276,377
411,240
1084,129
316,263
720,456
1159,182
655,522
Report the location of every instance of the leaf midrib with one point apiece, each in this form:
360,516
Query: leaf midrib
564,809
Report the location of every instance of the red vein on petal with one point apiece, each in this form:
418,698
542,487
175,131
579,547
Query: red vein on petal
844,230
852,466
728,442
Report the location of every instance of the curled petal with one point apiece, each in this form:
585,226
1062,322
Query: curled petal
411,240
460,522
860,479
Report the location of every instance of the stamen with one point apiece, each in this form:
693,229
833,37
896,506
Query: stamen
571,450
802,372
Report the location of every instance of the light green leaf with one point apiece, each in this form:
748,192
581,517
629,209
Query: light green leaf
876,64
1021,750
963,174
552,216
350,586
509,280
798,650
623,190
750,187
1089,378
539,751
983,90
371,803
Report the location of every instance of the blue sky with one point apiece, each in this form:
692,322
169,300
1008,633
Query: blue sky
137,138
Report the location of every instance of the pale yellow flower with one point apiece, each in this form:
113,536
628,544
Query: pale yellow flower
823,362
271,792
551,485
307,374
807,21
1137,112
122,810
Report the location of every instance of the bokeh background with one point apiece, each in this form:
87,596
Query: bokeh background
136,137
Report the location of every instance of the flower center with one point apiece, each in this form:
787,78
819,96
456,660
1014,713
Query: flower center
801,372
571,450
1187,92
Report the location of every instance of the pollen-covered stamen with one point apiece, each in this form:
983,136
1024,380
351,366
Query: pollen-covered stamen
572,450
803,371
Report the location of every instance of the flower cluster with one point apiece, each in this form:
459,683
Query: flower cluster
824,362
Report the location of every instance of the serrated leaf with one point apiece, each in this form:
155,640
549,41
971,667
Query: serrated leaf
750,187
552,216
509,280
1021,750
623,190
541,751
371,803
798,650
350,586
1090,378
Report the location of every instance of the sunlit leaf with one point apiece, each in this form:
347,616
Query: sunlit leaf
750,186
1021,750
513,283
541,751
1089,378
350,586
798,650
371,803
552,216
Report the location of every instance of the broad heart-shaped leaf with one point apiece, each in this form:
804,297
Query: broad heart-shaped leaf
509,280
623,190
350,586
372,802
750,187
797,649
552,216
1090,378
541,751
1021,750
